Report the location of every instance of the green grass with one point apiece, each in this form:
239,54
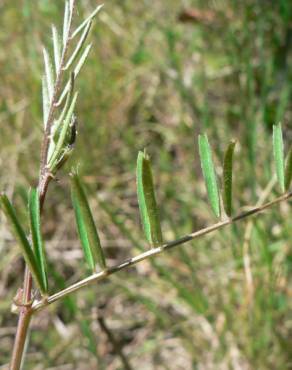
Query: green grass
154,82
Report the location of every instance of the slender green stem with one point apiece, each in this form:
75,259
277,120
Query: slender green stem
155,251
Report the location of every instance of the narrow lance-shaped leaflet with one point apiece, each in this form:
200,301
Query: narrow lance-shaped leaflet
57,48
49,74
46,101
209,174
79,46
63,133
227,178
66,22
84,23
278,147
24,244
76,71
86,227
35,228
60,120
288,170
147,202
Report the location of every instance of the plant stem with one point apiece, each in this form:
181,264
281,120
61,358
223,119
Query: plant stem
20,338
25,311
155,251
23,322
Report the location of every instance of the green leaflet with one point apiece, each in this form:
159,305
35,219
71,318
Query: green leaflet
66,22
64,130
58,123
147,202
209,173
23,241
64,111
57,48
83,235
279,154
79,46
288,170
88,19
86,227
227,178
35,226
49,74
46,102
76,71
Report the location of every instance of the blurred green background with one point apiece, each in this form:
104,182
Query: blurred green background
160,72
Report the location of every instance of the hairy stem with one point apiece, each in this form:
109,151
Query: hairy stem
25,311
23,322
155,251
20,338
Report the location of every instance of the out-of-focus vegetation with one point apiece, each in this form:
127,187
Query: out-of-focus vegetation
160,73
